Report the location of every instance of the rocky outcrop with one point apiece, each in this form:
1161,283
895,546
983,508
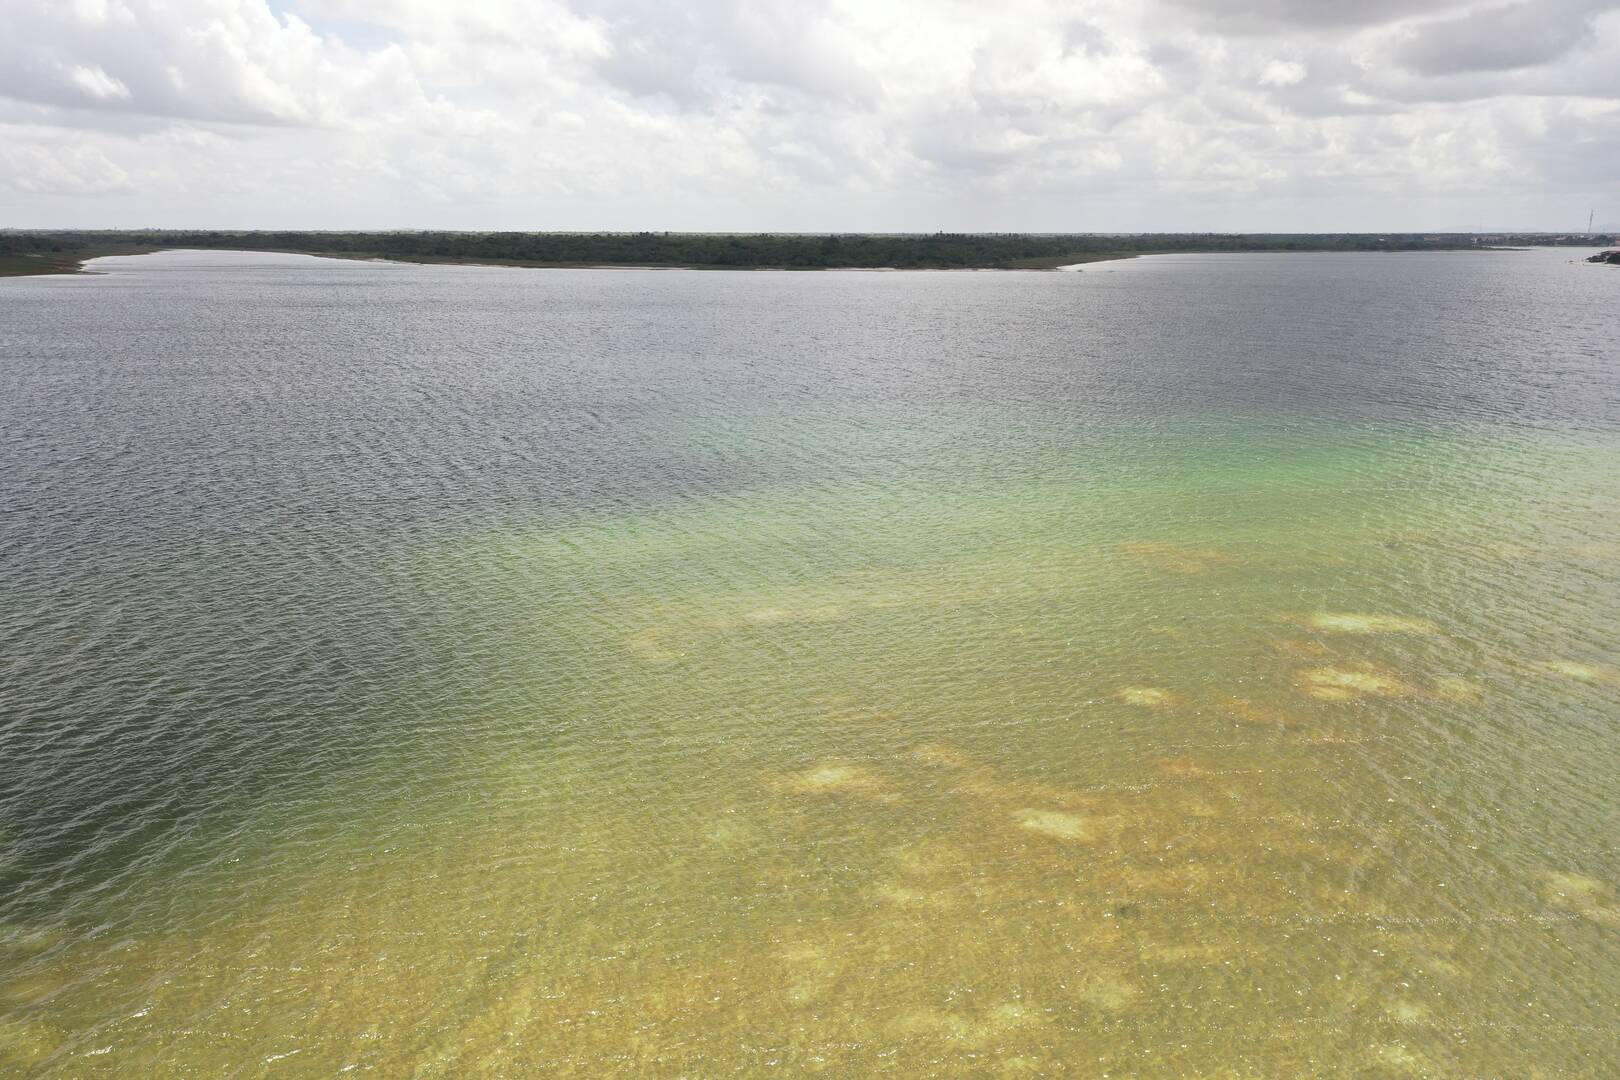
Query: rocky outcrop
1610,257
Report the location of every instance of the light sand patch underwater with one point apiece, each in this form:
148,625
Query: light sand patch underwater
837,778
1341,622
674,633
1056,824
1586,896
1352,683
1148,697
1593,673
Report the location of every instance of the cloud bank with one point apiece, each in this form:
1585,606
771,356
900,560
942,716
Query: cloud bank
780,114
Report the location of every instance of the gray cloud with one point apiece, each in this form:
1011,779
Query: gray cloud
1504,38
1282,16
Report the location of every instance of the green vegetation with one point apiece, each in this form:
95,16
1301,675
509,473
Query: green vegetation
12,265
56,252
26,254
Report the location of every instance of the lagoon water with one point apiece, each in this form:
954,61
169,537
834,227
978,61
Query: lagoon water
1197,666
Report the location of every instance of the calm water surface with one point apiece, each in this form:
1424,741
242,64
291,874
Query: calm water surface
1198,666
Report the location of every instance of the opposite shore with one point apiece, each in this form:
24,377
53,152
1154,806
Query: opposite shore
34,252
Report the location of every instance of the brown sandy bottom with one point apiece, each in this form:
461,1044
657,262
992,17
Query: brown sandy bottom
924,913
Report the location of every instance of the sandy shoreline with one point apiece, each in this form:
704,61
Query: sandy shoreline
41,266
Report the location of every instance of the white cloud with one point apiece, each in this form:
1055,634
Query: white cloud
842,114
46,166
98,84
1282,73
221,60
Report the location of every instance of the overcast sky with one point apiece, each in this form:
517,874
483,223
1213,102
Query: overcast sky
811,114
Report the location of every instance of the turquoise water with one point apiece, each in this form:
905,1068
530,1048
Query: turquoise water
1198,666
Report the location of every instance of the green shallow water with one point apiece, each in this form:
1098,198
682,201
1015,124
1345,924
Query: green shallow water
1238,744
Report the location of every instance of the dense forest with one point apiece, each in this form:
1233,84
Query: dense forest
789,251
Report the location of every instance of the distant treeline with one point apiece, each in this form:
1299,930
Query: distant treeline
761,250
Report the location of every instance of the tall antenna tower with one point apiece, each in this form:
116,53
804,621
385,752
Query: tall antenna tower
1589,214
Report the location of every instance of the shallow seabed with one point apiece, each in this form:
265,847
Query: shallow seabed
879,732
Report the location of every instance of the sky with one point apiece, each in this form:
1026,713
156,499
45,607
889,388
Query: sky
811,115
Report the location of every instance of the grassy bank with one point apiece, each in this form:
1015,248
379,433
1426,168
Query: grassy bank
71,261
25,265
